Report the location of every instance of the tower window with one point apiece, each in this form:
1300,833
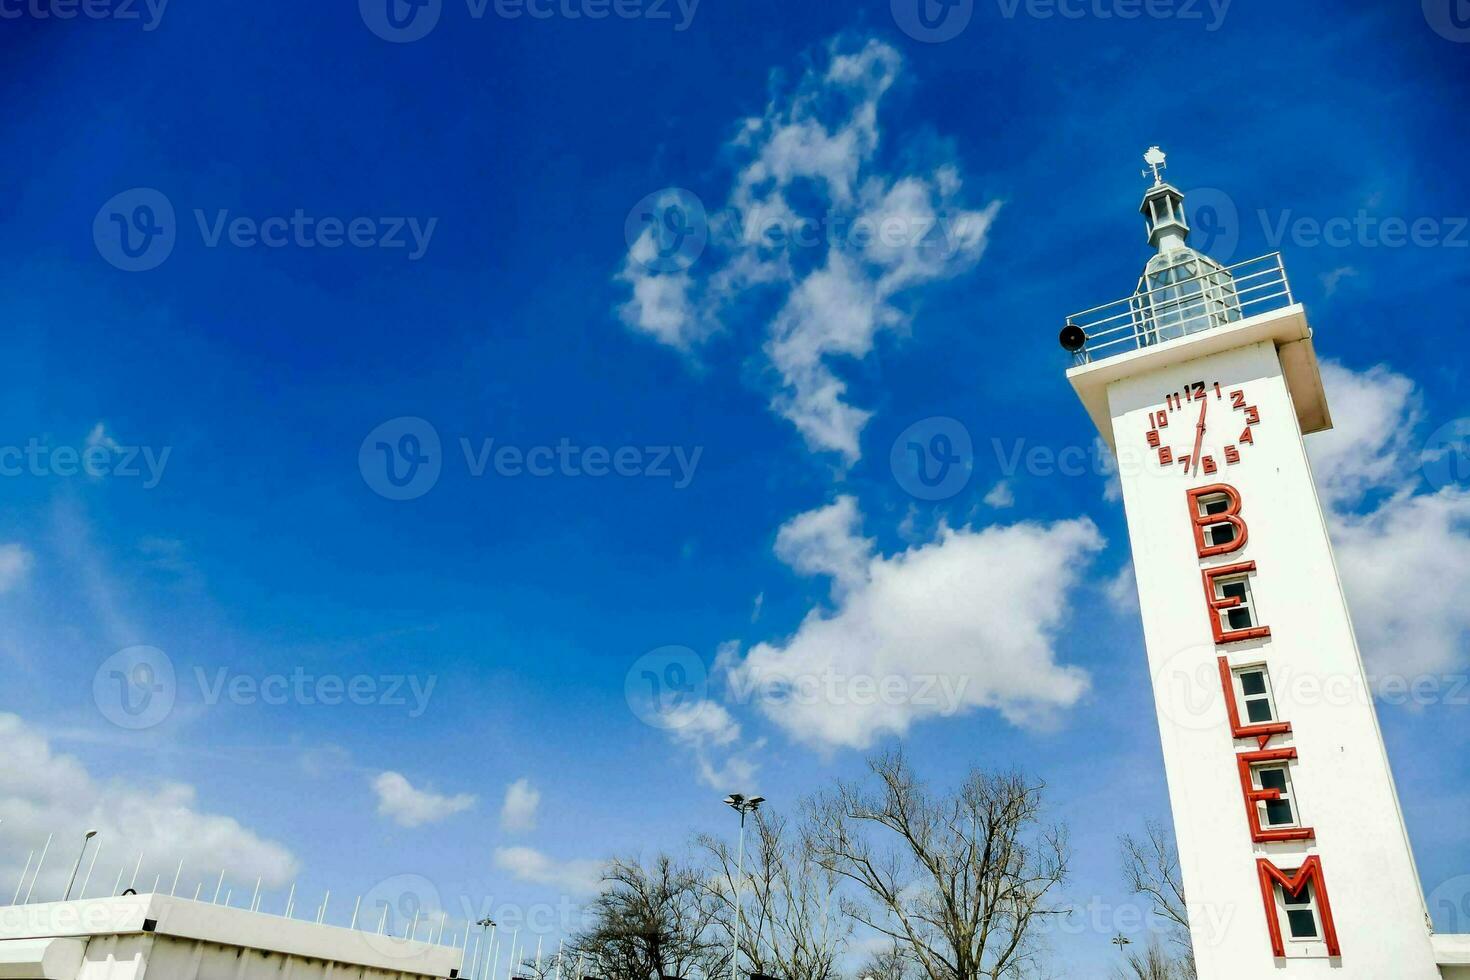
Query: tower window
1280,812
1241,616
1302,916
1216,534
1253,687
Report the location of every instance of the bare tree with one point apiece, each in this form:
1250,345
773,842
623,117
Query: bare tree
960,880
1154,963
1151,867
792,927
648,923
893,963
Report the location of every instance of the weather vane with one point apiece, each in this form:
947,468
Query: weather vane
1155,159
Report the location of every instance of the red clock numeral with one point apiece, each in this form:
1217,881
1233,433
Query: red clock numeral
1252,415
1166,456
1218,393
1184,461
1153,439
1247,438
1232,455
1237,399
1209,464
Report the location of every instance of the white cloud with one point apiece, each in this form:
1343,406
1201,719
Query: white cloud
576,878
519,811
15,565
100,438
406,806
1374,415
712,736
853,240
964,621
1331,280
1404,554
1001,496
43,792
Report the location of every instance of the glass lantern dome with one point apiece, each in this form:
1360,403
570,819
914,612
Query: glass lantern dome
1181,291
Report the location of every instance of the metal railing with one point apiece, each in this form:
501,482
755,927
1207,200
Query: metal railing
1203,302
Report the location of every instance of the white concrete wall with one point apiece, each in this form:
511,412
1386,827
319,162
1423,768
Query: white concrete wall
1342,781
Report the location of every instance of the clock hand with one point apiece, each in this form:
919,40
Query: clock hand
1199,433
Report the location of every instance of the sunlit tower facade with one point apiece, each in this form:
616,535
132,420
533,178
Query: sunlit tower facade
1204,381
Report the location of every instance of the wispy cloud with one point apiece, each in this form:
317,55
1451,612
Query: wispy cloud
16,561
821,232
407,806
519,811
577,878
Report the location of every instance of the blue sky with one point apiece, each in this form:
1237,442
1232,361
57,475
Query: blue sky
498,618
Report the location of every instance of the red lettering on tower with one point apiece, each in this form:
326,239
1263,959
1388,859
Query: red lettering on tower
1230,515
1308,875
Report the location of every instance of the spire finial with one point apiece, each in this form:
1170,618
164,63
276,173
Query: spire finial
1155,159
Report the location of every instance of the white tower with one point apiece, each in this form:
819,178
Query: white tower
1295,858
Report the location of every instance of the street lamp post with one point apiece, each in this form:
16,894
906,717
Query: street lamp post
76,867
742,805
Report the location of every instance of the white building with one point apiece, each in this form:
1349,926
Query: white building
158,937
1294,853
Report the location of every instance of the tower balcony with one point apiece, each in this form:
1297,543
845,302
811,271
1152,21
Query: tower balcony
1165,308
1172,319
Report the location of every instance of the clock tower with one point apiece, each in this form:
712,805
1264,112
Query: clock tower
1204,382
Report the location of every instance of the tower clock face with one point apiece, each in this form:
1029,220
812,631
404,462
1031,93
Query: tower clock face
1202,428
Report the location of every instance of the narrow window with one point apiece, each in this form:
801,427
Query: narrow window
1254,691
1242,615
1280,812
1301,911
1217,534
